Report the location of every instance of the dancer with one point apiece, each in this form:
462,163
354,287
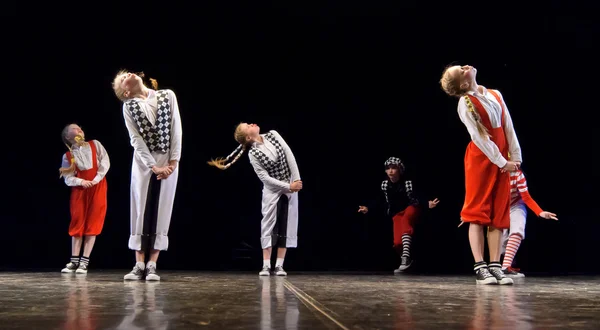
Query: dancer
154,124
84,169
275,165
519,198
487,197
403,205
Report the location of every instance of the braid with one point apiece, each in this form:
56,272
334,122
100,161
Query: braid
480,127
222,164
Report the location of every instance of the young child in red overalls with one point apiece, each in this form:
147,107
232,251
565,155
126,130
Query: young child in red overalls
84,169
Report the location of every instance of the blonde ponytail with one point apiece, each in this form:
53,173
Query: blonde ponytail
221,163
480,127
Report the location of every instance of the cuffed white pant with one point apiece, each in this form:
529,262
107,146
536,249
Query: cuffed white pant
140,180
269,212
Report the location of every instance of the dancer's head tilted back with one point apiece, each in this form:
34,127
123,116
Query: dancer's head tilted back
458,79
127,85
245,134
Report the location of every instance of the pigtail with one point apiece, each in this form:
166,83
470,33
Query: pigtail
153,81
480,127
72,166
222,164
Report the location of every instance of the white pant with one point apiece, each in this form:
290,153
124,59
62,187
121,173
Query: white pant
518,218
140,180
269,212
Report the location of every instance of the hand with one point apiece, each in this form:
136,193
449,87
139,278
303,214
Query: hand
434,203
548,215
296,186
87,184
363,209
511,166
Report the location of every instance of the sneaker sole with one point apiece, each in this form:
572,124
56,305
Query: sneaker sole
152,277
490,280
515,276
81,271
506,281
263,274
131,278
67,271
280,274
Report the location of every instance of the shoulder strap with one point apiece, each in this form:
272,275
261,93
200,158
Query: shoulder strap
497,97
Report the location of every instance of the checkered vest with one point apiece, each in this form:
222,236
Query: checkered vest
158,136
385,186
279,170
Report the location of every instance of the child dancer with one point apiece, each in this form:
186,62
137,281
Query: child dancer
519,198
84,168
154,125
487,198
275,165
403,206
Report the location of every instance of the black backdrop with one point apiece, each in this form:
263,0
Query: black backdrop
347,86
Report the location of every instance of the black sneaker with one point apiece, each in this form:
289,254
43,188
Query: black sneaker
279,271
71,267
483,275
496,271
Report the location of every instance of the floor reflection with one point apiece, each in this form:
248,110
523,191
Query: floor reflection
281,312
141,305
499,308
79,315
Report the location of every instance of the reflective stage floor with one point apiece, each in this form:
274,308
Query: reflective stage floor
198,300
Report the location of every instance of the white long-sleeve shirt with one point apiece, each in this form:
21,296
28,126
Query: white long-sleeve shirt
83,160
150,109
270,151
494,111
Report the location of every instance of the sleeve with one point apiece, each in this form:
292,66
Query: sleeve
290,157
70,179
137,142
103,162
487,146
511,136
176,131
267,180
524,192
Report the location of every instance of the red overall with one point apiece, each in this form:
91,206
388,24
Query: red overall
487,198
88,205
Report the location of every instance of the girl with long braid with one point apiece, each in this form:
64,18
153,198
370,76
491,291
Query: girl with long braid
275,165
487,168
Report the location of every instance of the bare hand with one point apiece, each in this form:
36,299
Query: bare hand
511,166
434,203
87,184
296,186
363,209
548,215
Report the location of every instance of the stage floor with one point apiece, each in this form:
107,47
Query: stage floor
212,300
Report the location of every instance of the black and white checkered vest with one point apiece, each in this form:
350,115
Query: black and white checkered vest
279,170
157,136
385,186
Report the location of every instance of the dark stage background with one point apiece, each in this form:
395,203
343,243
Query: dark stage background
347,86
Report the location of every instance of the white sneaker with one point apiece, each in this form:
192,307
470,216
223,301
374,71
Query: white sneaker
279,271
70,268
151,273
265,271
135,275
82,269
